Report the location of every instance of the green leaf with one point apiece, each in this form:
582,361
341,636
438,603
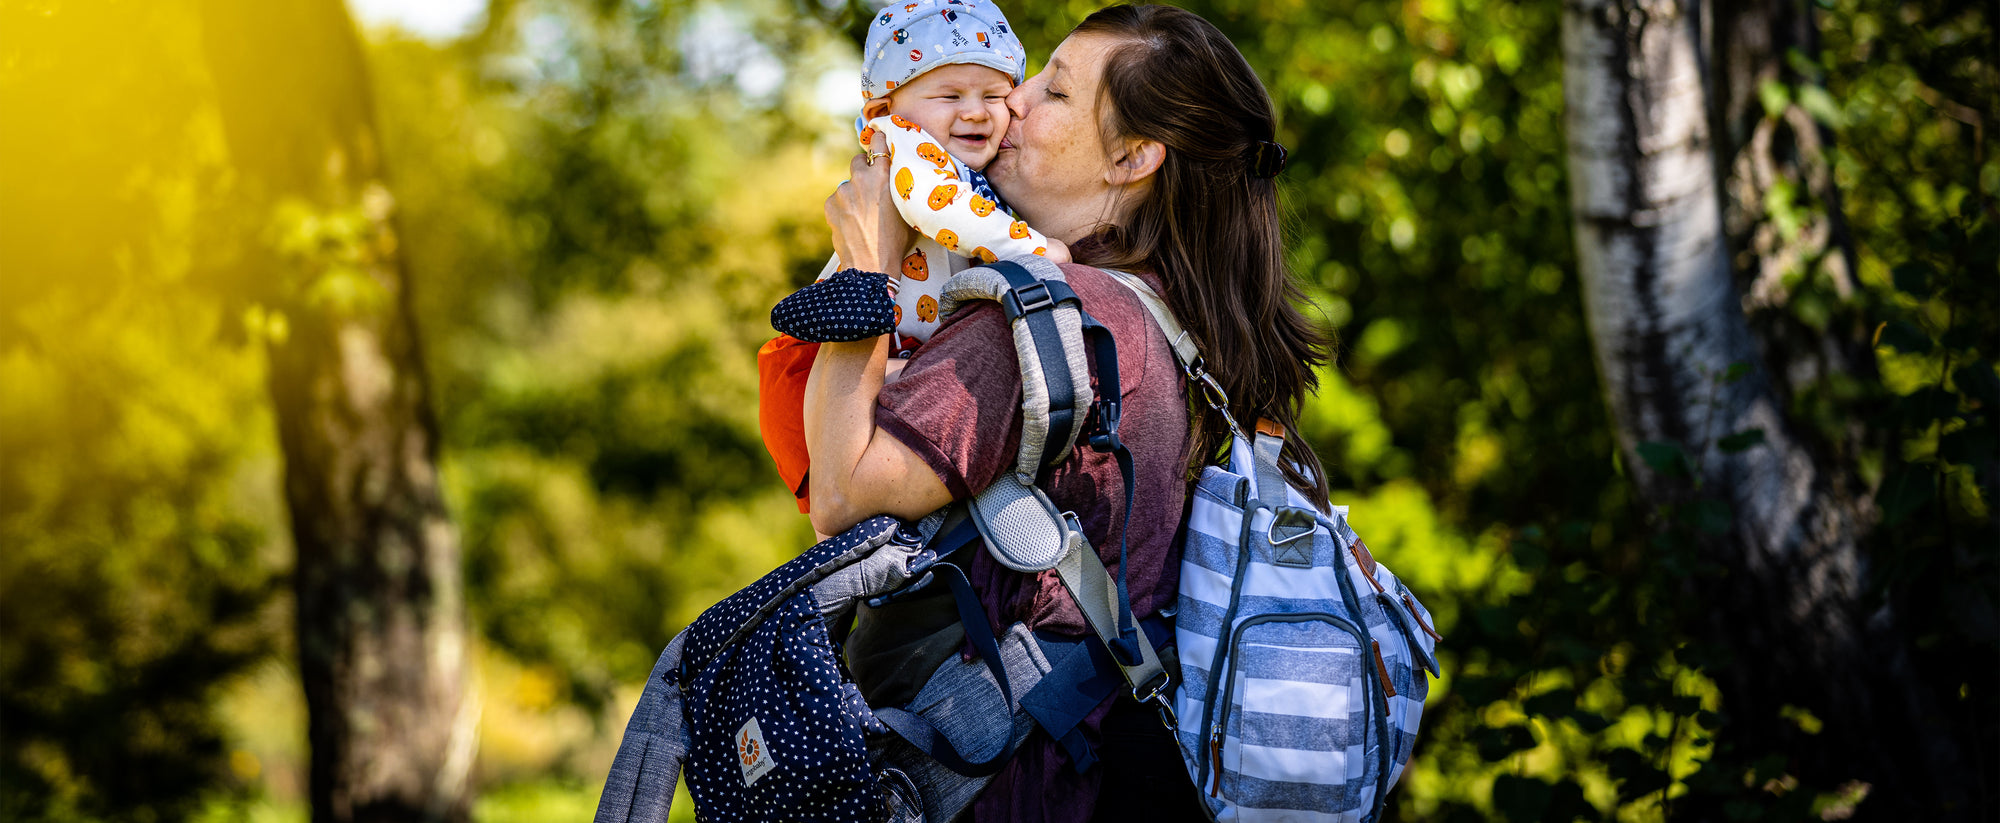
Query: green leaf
1979,382
1736,371
1904,336
1665,458
1821,106
1741,441
1905,491
1521,798
1775,97
1914,278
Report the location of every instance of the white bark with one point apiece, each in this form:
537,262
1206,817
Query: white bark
1667,324
1663,311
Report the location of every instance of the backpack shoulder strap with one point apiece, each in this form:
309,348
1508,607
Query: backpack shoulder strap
1269,440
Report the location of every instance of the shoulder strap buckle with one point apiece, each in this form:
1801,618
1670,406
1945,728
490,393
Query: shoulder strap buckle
1021,300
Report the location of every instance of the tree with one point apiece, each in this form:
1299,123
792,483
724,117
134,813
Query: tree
380,613
1700,400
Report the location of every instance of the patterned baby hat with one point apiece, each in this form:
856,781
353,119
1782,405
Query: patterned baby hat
908,39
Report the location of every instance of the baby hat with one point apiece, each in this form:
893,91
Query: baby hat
908,39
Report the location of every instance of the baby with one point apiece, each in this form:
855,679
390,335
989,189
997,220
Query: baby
935,77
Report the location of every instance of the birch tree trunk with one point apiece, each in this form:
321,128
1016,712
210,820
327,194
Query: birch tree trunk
1682,369
380,614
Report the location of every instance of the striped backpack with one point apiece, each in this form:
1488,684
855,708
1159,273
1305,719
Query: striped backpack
1300,655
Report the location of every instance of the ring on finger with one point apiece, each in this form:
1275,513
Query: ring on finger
874,154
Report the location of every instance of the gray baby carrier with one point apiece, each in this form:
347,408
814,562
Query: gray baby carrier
932,728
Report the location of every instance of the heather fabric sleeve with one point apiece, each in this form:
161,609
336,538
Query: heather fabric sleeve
958,402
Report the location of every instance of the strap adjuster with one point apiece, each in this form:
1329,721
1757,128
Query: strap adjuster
1029,298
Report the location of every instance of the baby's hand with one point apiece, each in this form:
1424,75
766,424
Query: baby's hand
1058,251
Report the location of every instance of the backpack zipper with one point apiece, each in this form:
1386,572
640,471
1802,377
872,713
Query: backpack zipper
1222,651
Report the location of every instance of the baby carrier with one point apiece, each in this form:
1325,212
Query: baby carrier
756,698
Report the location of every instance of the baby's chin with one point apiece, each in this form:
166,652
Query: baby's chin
976,155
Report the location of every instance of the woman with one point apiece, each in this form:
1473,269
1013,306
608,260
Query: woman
1147,144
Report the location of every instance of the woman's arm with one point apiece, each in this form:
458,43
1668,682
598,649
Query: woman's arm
857,469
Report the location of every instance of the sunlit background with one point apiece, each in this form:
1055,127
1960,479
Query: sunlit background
595,204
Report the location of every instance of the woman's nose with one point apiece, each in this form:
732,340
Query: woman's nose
1017,102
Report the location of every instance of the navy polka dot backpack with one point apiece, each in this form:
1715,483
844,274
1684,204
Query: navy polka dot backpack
777,728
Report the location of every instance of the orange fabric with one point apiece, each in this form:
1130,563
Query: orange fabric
782,367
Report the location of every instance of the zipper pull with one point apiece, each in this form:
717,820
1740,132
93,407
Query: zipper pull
1215,762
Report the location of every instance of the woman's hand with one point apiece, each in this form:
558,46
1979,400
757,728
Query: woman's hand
868,233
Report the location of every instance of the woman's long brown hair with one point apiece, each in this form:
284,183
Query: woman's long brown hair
1209,227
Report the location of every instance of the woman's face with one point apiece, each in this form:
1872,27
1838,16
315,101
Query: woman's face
1053,164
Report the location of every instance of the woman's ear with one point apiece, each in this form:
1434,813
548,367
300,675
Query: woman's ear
1136,160
875,107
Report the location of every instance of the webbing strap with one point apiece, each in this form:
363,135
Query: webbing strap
1030,301
1084,575
1183,345
1104,439
1267,447
919,731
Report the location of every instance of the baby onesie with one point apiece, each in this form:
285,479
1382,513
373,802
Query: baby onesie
958,217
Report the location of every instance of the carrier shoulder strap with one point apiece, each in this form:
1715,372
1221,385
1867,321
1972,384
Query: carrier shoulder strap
1047,322
1023,529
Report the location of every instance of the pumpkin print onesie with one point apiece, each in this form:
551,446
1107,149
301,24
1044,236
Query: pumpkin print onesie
960,220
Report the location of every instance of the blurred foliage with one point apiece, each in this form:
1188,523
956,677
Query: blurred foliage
140,528
598,200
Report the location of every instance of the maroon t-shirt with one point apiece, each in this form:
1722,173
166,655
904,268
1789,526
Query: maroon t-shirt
958,405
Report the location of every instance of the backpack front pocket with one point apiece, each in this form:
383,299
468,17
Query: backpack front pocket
1294,732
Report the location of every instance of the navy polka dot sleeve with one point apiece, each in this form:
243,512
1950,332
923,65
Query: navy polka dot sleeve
849,305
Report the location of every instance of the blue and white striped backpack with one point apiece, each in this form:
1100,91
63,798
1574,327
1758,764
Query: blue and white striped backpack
1301,657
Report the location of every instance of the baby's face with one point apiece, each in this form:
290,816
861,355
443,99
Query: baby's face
963,105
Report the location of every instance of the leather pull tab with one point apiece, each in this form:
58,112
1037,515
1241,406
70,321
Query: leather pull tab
1367,561
1382,670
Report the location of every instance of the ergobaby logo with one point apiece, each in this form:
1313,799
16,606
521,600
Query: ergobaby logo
752,753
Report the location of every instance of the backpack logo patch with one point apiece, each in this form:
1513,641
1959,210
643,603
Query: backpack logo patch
752,753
